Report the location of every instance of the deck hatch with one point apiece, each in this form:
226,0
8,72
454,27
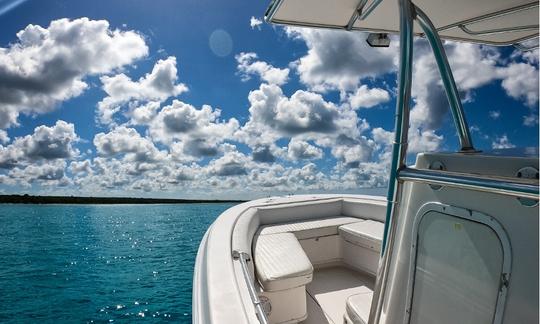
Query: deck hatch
460,267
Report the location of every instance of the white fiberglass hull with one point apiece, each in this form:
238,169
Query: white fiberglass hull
220,292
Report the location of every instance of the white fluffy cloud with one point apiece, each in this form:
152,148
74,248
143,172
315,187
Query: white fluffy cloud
123,140
301,150
46,66
338,60
150,89
51,174
303,112
364,97
4,138
195,132
305,116
473,66
520,80
231,164
502,143
255,23
40,157
296,141
46,143
248,66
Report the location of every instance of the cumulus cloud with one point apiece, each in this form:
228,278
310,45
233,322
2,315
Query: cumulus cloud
51,173
4,138
364,97
305,116
143,115
231,164
502,143
338,60
46,66
248,65
255,23
46,143
473,66
301,150
123,140
152,146
303,112
40,157
520,80
150,89
80,167
263,154
196,132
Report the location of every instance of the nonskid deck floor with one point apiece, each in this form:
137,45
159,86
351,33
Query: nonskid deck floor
329,290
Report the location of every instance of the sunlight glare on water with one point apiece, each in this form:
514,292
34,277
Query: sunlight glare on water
100,263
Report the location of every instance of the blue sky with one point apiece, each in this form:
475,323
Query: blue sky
202,99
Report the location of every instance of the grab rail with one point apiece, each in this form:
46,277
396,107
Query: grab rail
489,16
243,257
499,185
447,77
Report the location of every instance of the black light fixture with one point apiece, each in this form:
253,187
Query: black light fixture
378,40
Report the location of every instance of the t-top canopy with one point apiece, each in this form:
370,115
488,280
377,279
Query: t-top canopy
496,22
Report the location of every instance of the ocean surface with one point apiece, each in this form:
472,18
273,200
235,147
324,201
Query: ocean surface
100,263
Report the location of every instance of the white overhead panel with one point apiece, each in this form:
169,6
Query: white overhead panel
496,22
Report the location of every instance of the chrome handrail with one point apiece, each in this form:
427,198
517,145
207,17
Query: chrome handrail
399,153
243,257
499,185
448,80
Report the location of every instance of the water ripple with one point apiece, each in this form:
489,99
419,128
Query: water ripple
95,263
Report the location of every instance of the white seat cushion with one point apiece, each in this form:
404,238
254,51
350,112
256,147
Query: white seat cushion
310,228
358,307
280,262
368,234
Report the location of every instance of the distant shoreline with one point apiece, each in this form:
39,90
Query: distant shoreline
29,199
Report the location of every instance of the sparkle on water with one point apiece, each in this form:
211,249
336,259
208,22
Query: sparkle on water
100,263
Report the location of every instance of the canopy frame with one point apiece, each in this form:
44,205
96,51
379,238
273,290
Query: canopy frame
365,8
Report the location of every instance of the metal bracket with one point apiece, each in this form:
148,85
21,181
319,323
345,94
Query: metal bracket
362,12
527,173
436,165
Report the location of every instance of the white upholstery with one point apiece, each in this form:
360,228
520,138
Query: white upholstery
280,262
367,234
310,228
357,308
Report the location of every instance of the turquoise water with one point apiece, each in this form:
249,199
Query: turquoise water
100,263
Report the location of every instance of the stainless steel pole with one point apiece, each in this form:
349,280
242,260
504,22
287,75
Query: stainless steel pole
524,188
399,152
448,80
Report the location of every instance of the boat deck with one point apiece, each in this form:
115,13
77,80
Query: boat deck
329,290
